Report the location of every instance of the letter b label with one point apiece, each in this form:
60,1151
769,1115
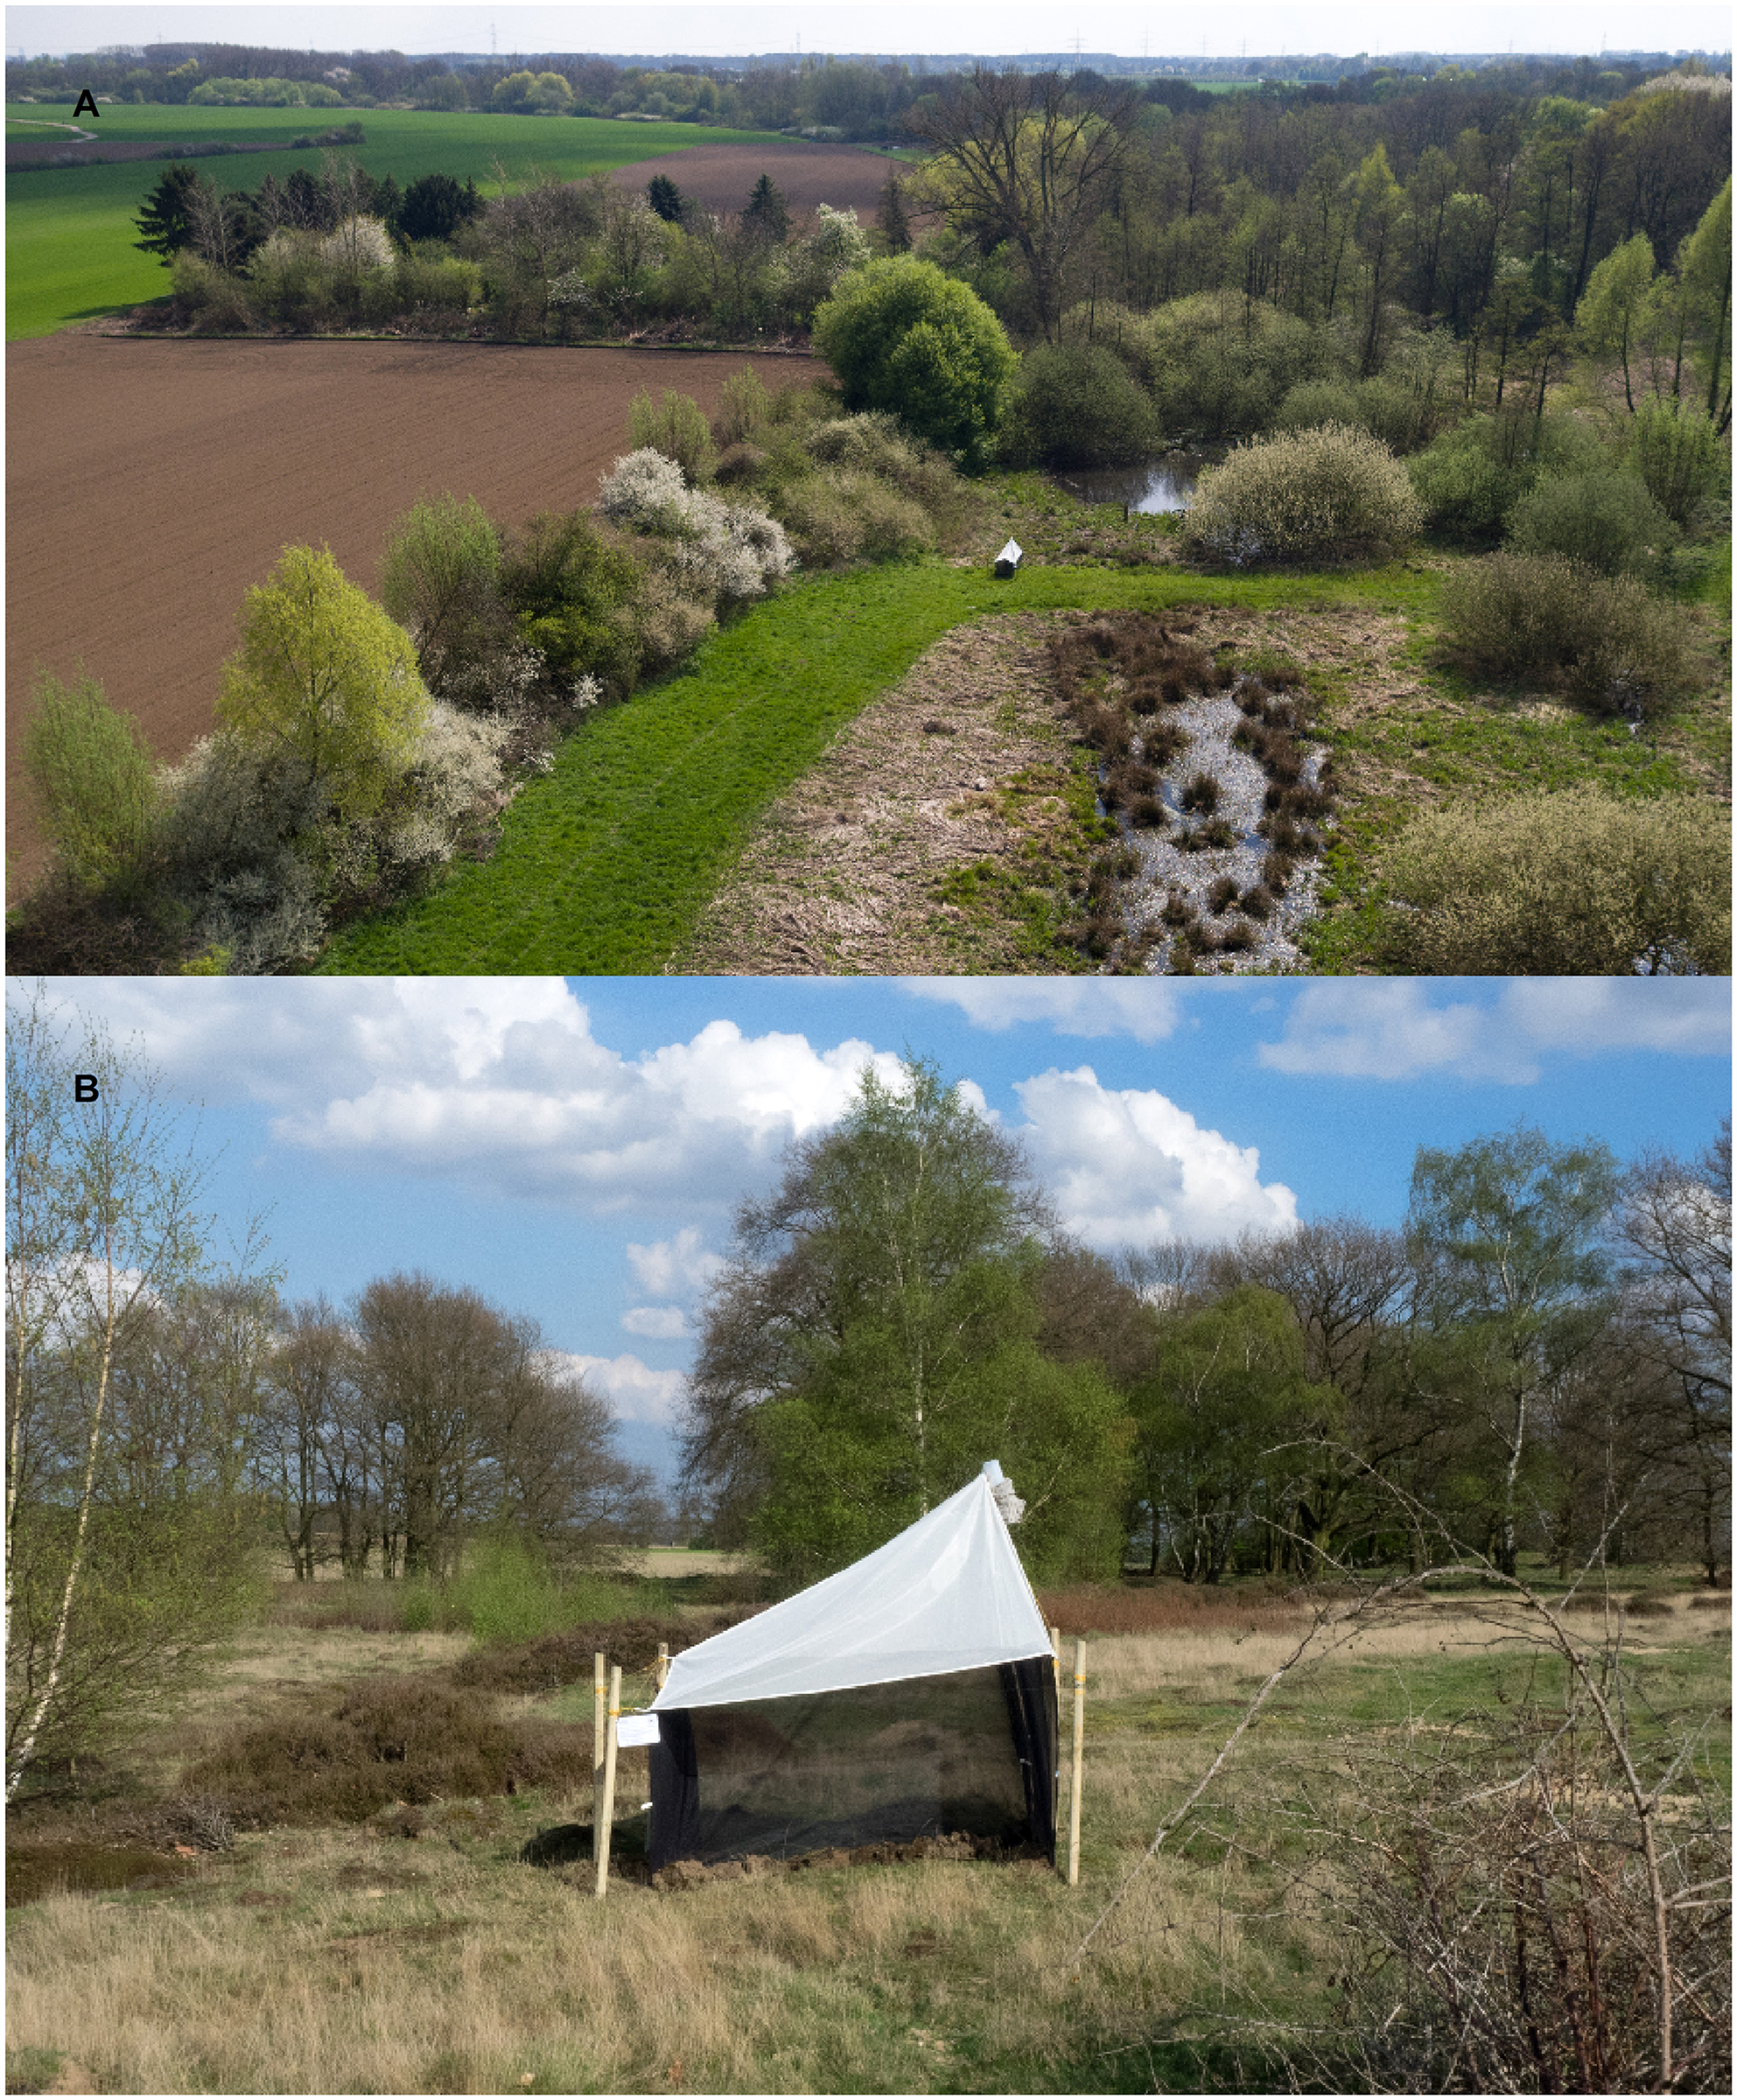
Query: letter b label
84,1086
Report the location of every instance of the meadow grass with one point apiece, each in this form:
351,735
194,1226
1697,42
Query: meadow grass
605,864
70,231
345,1960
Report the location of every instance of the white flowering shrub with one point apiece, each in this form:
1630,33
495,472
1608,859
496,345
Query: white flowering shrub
255,853
356,244
231,816
641,491
1325,494
456,765
716,549
570,290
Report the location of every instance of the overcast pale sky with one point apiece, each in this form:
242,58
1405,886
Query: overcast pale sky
728,28
575,1150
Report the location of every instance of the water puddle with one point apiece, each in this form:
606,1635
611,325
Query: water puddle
1161,485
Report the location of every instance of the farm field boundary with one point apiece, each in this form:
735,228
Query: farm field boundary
162,480
70,231
605,865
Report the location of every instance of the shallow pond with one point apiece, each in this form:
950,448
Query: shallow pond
1164,484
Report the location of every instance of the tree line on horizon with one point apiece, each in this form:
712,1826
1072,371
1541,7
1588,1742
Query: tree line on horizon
1538,1363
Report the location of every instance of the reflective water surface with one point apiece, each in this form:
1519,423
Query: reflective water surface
1164,484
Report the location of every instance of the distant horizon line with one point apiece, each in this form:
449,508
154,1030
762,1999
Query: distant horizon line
1183,62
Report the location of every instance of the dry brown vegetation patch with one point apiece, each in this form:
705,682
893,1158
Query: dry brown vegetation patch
965,760
1171,1608
403,1740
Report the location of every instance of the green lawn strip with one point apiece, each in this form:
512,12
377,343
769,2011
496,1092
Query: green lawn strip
605,865
70,231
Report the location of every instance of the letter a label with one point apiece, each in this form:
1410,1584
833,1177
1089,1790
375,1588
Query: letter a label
86,104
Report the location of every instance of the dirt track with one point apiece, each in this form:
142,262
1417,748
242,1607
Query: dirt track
149,483
722,178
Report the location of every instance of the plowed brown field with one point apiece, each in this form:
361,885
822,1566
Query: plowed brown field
722,178
149,483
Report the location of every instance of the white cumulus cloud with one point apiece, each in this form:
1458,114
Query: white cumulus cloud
635,1391
659,1323
1127,1166
1148,1008
1402,1028
1395,1028
673,1268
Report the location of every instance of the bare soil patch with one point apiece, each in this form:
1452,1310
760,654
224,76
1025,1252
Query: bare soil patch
722,178
965,760
150,484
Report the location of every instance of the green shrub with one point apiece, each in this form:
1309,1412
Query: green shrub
1318,402
92,780
677,428
1315,495
1075,405
1605,519
744,411
1469,478
825,527
427,283
1676,452
660,625
1542,620
902,336
1573,883
564,577
323,673
440,579
1216,365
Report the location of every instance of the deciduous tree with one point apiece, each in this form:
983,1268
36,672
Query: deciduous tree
324,675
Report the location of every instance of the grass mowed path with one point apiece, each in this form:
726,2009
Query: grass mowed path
605,864
70,231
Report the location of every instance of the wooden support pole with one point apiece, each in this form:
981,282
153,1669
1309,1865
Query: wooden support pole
662,1664
1079,1751
599,1729
608,1818
1055,1644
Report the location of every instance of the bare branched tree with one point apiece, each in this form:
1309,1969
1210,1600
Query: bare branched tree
1024,159
107,1250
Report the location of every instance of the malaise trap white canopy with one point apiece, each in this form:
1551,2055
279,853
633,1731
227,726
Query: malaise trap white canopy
911,1695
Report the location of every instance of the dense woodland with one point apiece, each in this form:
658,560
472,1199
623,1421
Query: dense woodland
1344,219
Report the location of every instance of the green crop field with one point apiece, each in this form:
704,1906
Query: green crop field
70,231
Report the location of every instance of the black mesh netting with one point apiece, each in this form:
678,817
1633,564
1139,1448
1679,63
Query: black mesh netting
971,1752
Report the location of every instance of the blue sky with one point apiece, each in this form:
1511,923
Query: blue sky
575,1150
728,28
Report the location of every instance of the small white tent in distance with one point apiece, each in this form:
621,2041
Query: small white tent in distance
911,1695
